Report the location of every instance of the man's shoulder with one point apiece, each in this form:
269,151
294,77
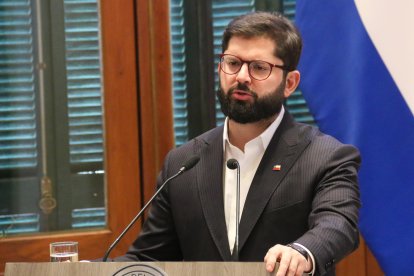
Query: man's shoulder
314,134
194,147
323,143
203,139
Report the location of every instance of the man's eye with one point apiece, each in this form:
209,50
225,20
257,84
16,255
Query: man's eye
233,62
260,67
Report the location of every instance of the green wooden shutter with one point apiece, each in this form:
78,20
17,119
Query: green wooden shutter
289,8
223,13
18,119
18,146
84,91
18,223
88,217
179,74
19,130
84,87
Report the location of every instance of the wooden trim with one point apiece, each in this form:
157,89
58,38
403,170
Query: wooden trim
121,145
354,264
360,262
155,88
373,268
121,118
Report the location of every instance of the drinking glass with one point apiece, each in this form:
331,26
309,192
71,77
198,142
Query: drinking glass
64,251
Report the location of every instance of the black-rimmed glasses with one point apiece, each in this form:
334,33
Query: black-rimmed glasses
258,69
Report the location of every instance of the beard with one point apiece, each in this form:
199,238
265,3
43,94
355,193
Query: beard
249,112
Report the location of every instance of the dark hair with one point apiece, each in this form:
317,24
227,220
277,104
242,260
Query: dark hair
271,25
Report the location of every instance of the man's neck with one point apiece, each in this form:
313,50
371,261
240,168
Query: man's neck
240,134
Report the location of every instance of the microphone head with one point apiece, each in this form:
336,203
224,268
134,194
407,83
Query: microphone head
232,164
190,162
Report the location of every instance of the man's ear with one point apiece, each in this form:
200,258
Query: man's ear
292,82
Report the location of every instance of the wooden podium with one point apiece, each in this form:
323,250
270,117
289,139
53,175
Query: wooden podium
137,269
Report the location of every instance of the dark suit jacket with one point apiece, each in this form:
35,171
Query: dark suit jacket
313,200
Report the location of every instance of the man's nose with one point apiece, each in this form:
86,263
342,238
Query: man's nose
243,75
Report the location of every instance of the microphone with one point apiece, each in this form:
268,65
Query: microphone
233,164
188,164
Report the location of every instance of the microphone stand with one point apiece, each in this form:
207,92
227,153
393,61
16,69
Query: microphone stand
236,245
186,166
234,164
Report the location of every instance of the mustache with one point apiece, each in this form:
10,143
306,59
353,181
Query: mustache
242,87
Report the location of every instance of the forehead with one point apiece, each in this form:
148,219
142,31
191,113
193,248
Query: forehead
252,48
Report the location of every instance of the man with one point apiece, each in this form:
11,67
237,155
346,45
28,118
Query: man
299,192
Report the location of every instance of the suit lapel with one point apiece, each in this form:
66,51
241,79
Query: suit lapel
284,148
210,183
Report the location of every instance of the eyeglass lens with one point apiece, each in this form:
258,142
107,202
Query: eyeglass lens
258,70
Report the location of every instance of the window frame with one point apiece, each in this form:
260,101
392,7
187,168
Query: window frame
199,66
129,54
51,112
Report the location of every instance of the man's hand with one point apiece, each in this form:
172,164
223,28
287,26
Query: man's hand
292,263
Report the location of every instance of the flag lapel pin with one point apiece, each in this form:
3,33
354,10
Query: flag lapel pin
277,167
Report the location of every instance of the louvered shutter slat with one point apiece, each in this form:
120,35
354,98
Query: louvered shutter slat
179,72
18,147
289,9
84,82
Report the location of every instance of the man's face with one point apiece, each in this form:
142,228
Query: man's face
244,99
